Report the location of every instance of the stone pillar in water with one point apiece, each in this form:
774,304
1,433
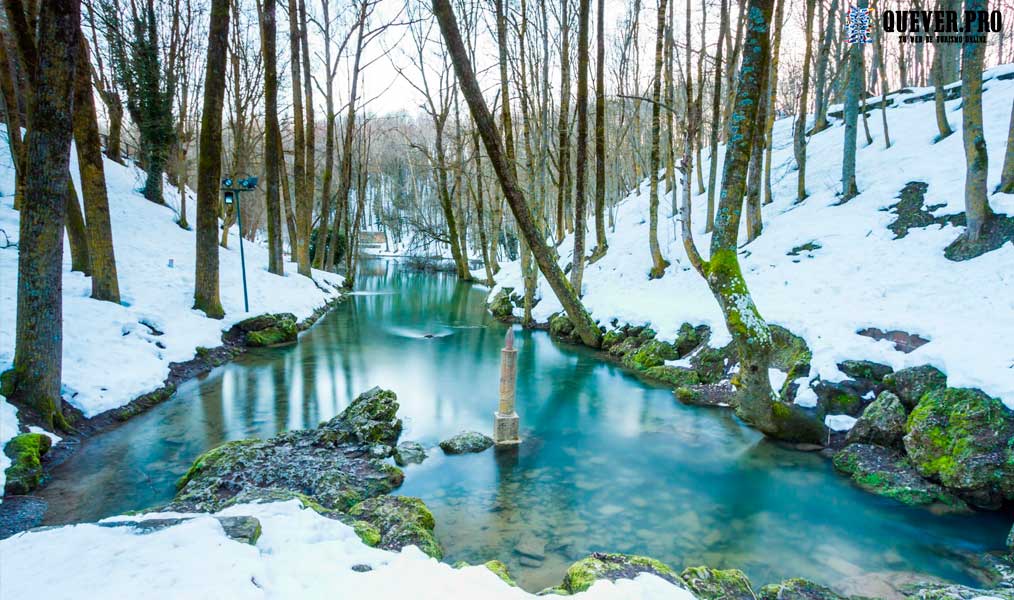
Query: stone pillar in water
505,421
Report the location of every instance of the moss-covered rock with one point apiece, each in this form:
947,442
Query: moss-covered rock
242,528
798,424
710,363
838,397
466,442
500,570
888,473
689,338
911,384
367,532
612,338
865,370
677,377
714,584
789,353
335,465
267,330
409,453
502,306
585,572
629,345
882,422
943,591
797,589
25,451
561,327
652,353
964,439
400,521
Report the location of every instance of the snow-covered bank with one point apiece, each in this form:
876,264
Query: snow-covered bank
857,275
114,353
299,554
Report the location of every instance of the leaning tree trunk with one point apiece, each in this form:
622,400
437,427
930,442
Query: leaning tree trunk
272,135
209,164
1007,177
34,381
585,327
943,126
93,183
658,264
977,210
77,232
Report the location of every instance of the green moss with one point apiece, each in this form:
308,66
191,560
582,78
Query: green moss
283,332
585,572
714,584
710,363
500,570
652,353
502,306
369,534
561,327
611,338
210,457
795,424
688,395
25,451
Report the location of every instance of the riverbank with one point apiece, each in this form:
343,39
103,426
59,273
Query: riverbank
119,359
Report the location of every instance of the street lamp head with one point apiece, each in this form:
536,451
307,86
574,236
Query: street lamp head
227,182
248,183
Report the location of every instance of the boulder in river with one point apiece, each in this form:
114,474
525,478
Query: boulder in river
714,584
25,451
408,453
397,521
466,442
913,383
964,439
268,329
334,465
585,572
887,472
502,306
882,422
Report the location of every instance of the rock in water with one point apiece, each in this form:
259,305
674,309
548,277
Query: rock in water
585,572
888,473
797,589
531,546
713,584
267,330
882,422
334,465
913,383
465,442
409,453
964,439
400,521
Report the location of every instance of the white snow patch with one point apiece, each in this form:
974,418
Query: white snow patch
777,378
839,422
52,436
300,554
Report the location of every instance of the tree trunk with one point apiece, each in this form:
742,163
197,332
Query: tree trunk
563,158
586,329
580,221
93,183
799,135
853,89
77,232
1007,176
34,381
209,165
772,98
878,50
658,264
716,116
298,245
821,87
272,135
600,131
305,223
977,210
943,126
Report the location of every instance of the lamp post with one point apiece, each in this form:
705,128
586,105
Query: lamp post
230,194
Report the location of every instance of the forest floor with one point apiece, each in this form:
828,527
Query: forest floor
827,270
113,353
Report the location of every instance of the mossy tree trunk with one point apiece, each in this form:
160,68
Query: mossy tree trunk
209,164
329,134
563,126
600,130
304,208
581,171
101,258
978,214
272,150
583,324
297,242
658,263
34,382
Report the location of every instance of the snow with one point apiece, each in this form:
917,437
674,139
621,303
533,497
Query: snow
300,554
839,422
860,277
110,352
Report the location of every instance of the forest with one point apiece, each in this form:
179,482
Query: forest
734,278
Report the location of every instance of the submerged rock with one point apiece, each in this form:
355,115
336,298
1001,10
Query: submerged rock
797,589
585,572
887,472
393,522
466,442
330,465
913,383
964,439
531,546
715,584
882,422
25,451
408,453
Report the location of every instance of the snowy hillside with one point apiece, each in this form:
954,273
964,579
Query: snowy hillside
860,276
155,263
